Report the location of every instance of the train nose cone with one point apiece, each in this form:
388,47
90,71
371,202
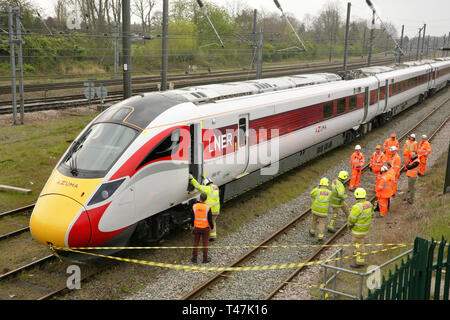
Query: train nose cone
53,217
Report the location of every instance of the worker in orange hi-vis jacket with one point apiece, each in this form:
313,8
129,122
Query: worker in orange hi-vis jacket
409,147
383,190
356,163
377,160
396,163
423,150
390,142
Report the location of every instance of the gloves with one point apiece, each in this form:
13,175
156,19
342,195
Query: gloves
190,176
370,168
357,167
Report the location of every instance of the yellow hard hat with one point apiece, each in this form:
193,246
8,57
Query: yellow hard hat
343,175
360,193
324,182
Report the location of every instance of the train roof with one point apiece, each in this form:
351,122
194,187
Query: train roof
214,92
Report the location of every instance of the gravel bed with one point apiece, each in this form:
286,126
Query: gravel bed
173,284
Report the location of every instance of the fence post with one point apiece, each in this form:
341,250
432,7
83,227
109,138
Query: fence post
447,276
447,173
439,266
429,270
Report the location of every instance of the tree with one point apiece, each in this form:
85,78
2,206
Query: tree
143,9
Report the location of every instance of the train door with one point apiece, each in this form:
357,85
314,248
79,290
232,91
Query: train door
243,146
366,104
196,153
386,94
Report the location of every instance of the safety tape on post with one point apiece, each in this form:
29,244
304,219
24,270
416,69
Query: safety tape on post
240,247
203,269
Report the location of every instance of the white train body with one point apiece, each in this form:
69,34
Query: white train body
127,172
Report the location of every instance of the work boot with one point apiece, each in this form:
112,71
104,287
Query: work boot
207,260
356,266
319,240
312,234
212,239
194,260
331,230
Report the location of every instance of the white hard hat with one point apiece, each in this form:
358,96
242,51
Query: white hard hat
384,169
413,135
358,147
206,181
393,148
424,136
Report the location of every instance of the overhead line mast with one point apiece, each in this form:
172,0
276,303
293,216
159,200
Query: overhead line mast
205,12
369,3
289,23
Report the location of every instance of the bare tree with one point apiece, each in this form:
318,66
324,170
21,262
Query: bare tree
143,10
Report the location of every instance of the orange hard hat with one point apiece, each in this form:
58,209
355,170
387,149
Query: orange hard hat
378,147
393,135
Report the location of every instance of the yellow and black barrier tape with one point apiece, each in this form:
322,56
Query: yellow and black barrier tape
242,247
201,269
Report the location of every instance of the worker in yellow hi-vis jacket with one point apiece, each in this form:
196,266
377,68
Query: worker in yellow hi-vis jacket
213,200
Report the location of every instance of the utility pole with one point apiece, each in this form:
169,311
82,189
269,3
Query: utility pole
418,44
364,41
19,59
428,46
369,58
423,41
331,46
254,39
12,57
448,39
126,48
401,45
347,25
116,47
164,63
435,46
443,45
259,64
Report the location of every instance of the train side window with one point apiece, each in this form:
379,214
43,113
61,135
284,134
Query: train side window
167,147
341,106
327,109
382,93
352,103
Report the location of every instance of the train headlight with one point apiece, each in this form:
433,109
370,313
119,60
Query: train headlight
105,191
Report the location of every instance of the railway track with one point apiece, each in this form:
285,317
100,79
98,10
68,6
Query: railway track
293,224
48,260
148,84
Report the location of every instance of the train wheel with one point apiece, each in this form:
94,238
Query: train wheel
349,136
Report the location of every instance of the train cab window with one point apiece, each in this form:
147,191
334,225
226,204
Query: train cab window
167,147
341,106
327,109
97,149
352,103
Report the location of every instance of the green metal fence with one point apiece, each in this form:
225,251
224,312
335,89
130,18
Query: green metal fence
413,279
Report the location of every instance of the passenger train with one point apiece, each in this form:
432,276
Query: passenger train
125,177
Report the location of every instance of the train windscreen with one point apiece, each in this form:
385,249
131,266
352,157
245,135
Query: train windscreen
93,154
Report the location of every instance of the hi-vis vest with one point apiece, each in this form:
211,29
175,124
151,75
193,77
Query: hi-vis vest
410,147
212,191
413,172
321,201
384,186
337,194
201,215
360,217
